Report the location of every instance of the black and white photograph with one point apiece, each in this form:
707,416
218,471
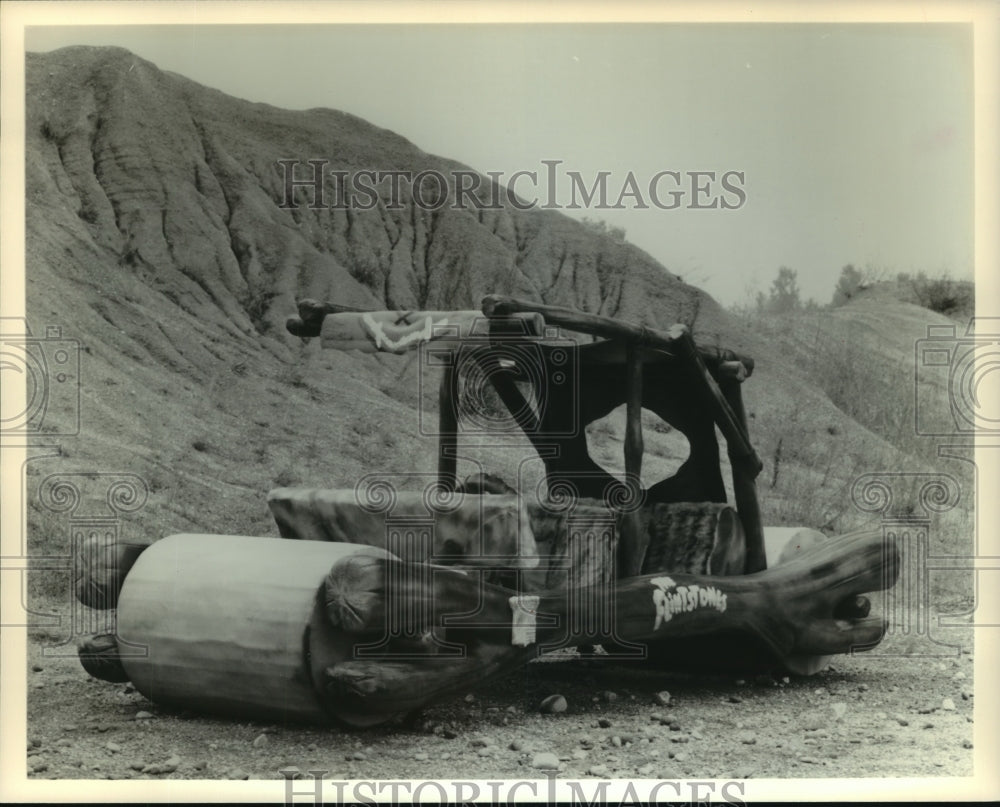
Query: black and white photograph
486,402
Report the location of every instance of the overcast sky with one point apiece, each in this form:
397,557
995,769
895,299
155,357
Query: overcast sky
855,141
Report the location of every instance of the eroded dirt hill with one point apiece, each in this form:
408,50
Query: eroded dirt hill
179,187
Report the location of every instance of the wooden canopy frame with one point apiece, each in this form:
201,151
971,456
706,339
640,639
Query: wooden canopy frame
711,375
715,377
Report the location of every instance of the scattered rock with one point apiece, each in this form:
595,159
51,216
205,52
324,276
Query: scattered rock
138,765
36,668
616,741
114,748
129,689
645,770
237,773
928,725
449,734
553,705
143,715
926,710
598,770
63,742
37,765
608,696
839,710
481,742
862,687
603,723
680,756
159,768
813,720
747,738
810,760
69,727
948,705
359,756
735,699
545,761
579,753
662,698
260,741
202,765
470,698
516,745
901,720
966,743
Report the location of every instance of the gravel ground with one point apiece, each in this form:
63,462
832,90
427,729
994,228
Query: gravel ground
865,716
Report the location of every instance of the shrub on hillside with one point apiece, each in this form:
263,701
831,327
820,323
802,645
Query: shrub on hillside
602,227
942,294
850,282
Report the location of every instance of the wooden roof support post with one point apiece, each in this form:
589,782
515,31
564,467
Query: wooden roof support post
448,428
745,486
735,431
632,551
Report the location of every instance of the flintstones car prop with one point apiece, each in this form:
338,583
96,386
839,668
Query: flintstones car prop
389,599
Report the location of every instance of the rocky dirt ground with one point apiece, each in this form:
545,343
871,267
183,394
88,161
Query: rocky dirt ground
865,716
